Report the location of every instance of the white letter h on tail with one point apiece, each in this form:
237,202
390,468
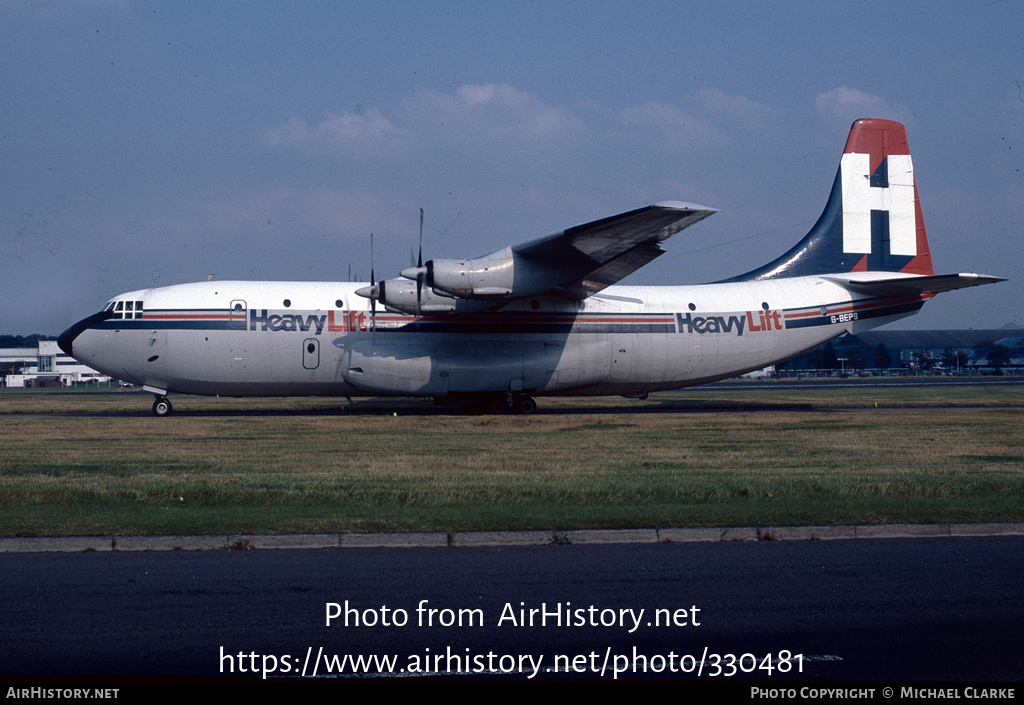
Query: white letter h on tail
860,198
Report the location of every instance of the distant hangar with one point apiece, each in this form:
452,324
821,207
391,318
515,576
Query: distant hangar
45,366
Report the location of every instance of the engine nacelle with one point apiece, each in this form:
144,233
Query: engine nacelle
399,296
500,275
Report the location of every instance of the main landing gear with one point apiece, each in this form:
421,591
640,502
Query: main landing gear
162,406
511,404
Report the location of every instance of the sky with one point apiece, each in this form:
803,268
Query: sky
146,144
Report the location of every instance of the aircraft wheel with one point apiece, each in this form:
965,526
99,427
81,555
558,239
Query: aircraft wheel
498,406
525,405
162,407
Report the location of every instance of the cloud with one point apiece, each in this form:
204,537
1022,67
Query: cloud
754,115
474,116
844,105
489,111
365,134
670,126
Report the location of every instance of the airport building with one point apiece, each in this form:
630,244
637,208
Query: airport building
910,346
46,365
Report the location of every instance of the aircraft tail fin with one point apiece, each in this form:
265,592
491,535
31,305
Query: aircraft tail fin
872,220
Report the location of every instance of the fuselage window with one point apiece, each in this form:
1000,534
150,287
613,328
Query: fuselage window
126,309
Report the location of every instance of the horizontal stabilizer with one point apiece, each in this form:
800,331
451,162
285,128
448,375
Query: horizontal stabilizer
889,286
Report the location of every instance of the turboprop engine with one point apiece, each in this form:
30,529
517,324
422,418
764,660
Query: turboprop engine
399,296
502,274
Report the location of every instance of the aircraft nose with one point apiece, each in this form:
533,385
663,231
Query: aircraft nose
66,340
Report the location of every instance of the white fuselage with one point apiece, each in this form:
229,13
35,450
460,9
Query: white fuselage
544,316
240,338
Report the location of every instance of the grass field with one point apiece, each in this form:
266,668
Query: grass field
100,464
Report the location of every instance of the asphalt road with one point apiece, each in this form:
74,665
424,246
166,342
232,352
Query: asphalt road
898,609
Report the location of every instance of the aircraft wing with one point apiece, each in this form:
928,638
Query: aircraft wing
935,284
575,263
596,255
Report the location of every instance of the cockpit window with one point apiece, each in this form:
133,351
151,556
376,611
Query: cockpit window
125,309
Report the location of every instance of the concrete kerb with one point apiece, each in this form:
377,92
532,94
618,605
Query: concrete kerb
806,533
46,544
890,531
741,533
259,541
503,538
435,539
171,543
591,536
438,539
689,535
1007,529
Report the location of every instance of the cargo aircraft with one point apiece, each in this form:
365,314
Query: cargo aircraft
542,317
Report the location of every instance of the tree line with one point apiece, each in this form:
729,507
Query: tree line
851,354
23,341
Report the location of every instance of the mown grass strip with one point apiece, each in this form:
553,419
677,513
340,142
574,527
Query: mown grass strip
304,472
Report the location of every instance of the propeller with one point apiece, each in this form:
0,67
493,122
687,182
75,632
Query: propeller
419,273
373,292
376,293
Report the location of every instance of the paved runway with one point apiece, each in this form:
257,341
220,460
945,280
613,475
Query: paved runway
895,609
